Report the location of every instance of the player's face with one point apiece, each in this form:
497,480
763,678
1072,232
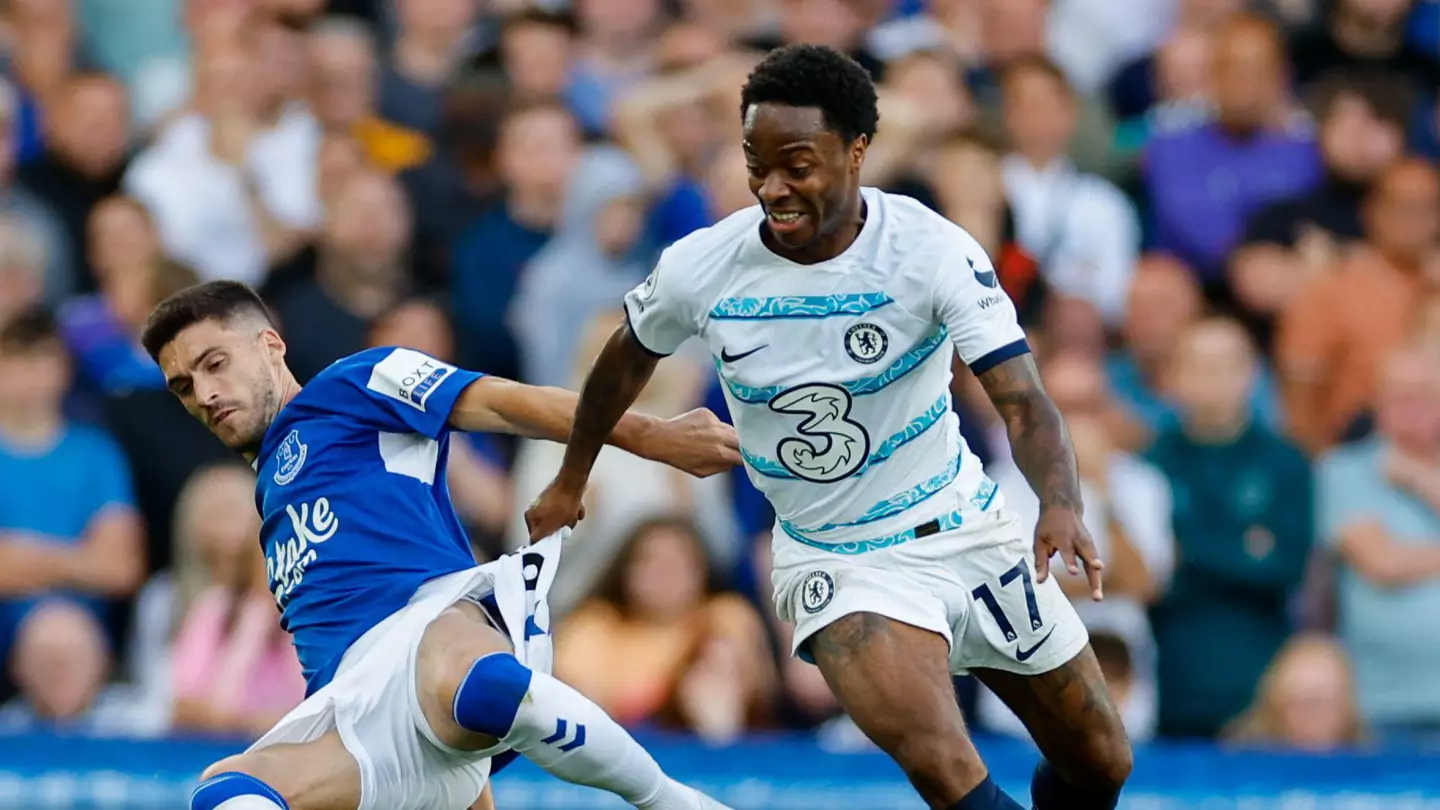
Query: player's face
805,175
228,377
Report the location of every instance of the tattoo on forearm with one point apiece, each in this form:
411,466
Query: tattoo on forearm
1038,439
618,376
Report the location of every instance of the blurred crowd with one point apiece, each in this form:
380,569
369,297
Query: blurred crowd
1219,220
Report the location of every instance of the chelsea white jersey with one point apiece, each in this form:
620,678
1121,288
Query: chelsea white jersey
837,374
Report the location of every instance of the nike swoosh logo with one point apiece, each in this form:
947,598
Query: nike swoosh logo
727,357
1024,655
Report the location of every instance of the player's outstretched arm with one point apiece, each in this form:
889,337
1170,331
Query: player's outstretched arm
696,442
1041,448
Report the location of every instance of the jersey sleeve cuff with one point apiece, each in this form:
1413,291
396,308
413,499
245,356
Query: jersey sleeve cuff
630,325
442,402
992,359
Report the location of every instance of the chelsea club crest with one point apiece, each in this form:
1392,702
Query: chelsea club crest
866,343
289,458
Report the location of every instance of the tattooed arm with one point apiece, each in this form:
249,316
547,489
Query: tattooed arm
1041,448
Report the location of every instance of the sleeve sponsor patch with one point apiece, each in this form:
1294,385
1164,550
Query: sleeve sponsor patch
408,376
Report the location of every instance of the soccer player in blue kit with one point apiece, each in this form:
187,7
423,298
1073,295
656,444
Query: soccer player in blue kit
423,668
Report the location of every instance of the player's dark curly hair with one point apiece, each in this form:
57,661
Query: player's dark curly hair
213,300
816,76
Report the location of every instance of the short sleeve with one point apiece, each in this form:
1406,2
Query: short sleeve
410,391
970,302
657,312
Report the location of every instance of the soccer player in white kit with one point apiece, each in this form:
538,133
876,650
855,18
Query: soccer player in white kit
830,310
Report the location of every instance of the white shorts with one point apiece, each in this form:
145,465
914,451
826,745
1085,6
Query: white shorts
975,586
373,702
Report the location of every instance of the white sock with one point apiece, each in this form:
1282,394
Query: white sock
248,803
608,758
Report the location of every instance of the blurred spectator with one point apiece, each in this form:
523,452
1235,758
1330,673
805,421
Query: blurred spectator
1362,120
1364,34
1012,29
355,272
282,52
537,53
1205,181
627,488
1305,701
429,50
1164,301
134,43
1334,334
70,540
102,331
346,89
616,49
340,157
30,214
43,47
476,472
679,652
22,267
86,144
1380,509
231,193
235,671
1128,513
1080,228
1176,74
1293,242
1244,524
968,186
538,151
593,259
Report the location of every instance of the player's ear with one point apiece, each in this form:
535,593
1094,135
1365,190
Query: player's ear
274,344
857,151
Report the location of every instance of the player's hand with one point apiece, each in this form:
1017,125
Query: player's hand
1060,529
560,506
697,443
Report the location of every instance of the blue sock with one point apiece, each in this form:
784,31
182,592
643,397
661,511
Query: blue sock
237,790
1051,792
986,796
559,730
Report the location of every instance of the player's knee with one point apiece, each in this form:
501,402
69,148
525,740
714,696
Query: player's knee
1113,760
488,698
1104,765
226,780
934,763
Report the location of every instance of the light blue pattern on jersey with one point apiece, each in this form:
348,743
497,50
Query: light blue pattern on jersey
890,507
904,364
799,306
948,522
887,448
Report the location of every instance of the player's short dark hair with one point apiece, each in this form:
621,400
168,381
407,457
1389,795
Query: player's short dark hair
1390,101
816,76
28,330
213,300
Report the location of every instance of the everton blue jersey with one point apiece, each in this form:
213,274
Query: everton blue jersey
352,490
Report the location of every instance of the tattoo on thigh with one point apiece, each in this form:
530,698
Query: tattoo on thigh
841,641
